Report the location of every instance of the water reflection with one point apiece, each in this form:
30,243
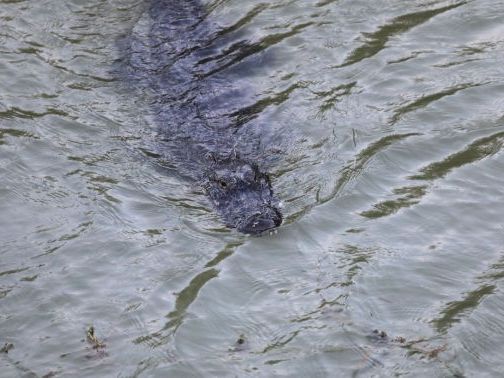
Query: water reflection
411,195
386,129
187,296
376,42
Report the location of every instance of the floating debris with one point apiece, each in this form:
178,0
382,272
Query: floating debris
240,344
93,340
6,348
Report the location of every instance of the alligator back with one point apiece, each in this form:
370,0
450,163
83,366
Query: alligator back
175,58
200,112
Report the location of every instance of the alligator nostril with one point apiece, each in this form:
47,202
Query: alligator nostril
261,221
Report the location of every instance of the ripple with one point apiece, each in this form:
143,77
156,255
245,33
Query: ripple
239,52
454,310
411,195
14,133
478,150
185,298
27,114
426,100
385,122
376,41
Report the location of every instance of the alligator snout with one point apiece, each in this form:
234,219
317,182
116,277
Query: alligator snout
243,196
261,221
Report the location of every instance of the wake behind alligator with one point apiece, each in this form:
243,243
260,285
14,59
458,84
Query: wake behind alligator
200,112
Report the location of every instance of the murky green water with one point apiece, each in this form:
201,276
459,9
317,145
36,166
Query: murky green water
391,259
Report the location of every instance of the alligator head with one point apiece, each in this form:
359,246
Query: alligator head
243,196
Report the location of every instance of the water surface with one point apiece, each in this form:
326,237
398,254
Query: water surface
389,122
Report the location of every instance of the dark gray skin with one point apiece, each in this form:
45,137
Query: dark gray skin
243,196
203,119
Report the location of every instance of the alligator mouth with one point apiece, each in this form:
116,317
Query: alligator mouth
261,221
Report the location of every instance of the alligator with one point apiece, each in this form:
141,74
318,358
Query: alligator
200,113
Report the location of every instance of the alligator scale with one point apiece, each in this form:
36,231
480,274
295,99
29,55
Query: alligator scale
200,113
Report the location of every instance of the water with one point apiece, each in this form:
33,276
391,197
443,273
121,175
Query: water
390,126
